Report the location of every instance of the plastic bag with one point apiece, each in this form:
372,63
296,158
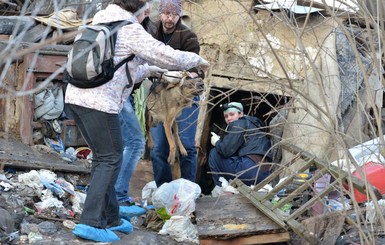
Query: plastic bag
371,213
147,192
177,197
337,205
31,179
77,201
224,189
181,229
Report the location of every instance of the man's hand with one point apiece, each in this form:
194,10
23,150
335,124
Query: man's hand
214,138
155,71
204,65
173,77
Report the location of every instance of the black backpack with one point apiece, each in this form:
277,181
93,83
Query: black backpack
90,61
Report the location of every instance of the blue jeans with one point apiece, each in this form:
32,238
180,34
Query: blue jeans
102,133
231,167
187,124
133,143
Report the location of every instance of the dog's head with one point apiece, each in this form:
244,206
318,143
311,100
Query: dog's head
189,87
192,87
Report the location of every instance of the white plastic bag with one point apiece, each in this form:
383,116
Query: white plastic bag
147,192
371,213
181,229
224,189
177,197
77,201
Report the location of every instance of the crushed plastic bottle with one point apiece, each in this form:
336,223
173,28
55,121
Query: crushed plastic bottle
55,188
34,237
47,228
138,221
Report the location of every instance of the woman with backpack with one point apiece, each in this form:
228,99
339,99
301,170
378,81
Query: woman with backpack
95,111
243,148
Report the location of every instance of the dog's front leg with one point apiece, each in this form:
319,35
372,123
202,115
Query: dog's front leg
177,139
150,142
167,129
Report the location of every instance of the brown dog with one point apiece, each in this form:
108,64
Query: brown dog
165,103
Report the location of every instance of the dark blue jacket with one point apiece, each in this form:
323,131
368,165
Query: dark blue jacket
244,136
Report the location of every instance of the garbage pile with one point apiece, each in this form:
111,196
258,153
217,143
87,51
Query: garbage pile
41,205
36,204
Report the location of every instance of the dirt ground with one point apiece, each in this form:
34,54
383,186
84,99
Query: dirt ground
143,174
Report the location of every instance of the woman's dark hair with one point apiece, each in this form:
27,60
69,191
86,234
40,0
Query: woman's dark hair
130,5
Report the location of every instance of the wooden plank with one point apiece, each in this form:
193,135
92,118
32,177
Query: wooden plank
261,85
4,37
231,216
37,32
17,155
327,228
52,49
29,164
256,239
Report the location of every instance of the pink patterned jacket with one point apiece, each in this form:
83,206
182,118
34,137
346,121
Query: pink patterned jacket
132,39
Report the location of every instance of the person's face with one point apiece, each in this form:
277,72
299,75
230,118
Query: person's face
141,17
169,21
232,116
148,10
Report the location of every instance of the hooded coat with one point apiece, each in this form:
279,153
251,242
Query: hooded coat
243,137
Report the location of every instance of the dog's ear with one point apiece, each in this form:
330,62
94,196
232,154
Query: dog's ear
170,85
159,87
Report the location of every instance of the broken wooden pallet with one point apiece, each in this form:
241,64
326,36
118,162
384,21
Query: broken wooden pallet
263,202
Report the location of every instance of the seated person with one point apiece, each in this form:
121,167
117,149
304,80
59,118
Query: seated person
242,149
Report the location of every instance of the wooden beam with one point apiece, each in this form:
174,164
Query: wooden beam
30,164
14,154
261,85
256,239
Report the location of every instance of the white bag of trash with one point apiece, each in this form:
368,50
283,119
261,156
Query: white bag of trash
147,192
372,216
224,189
177,197
181,229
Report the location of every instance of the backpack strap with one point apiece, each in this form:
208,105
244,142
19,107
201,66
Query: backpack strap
130,82
129,58
113,26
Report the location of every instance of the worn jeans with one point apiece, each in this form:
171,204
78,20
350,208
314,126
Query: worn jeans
102,133
231,167
133,143
187,124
